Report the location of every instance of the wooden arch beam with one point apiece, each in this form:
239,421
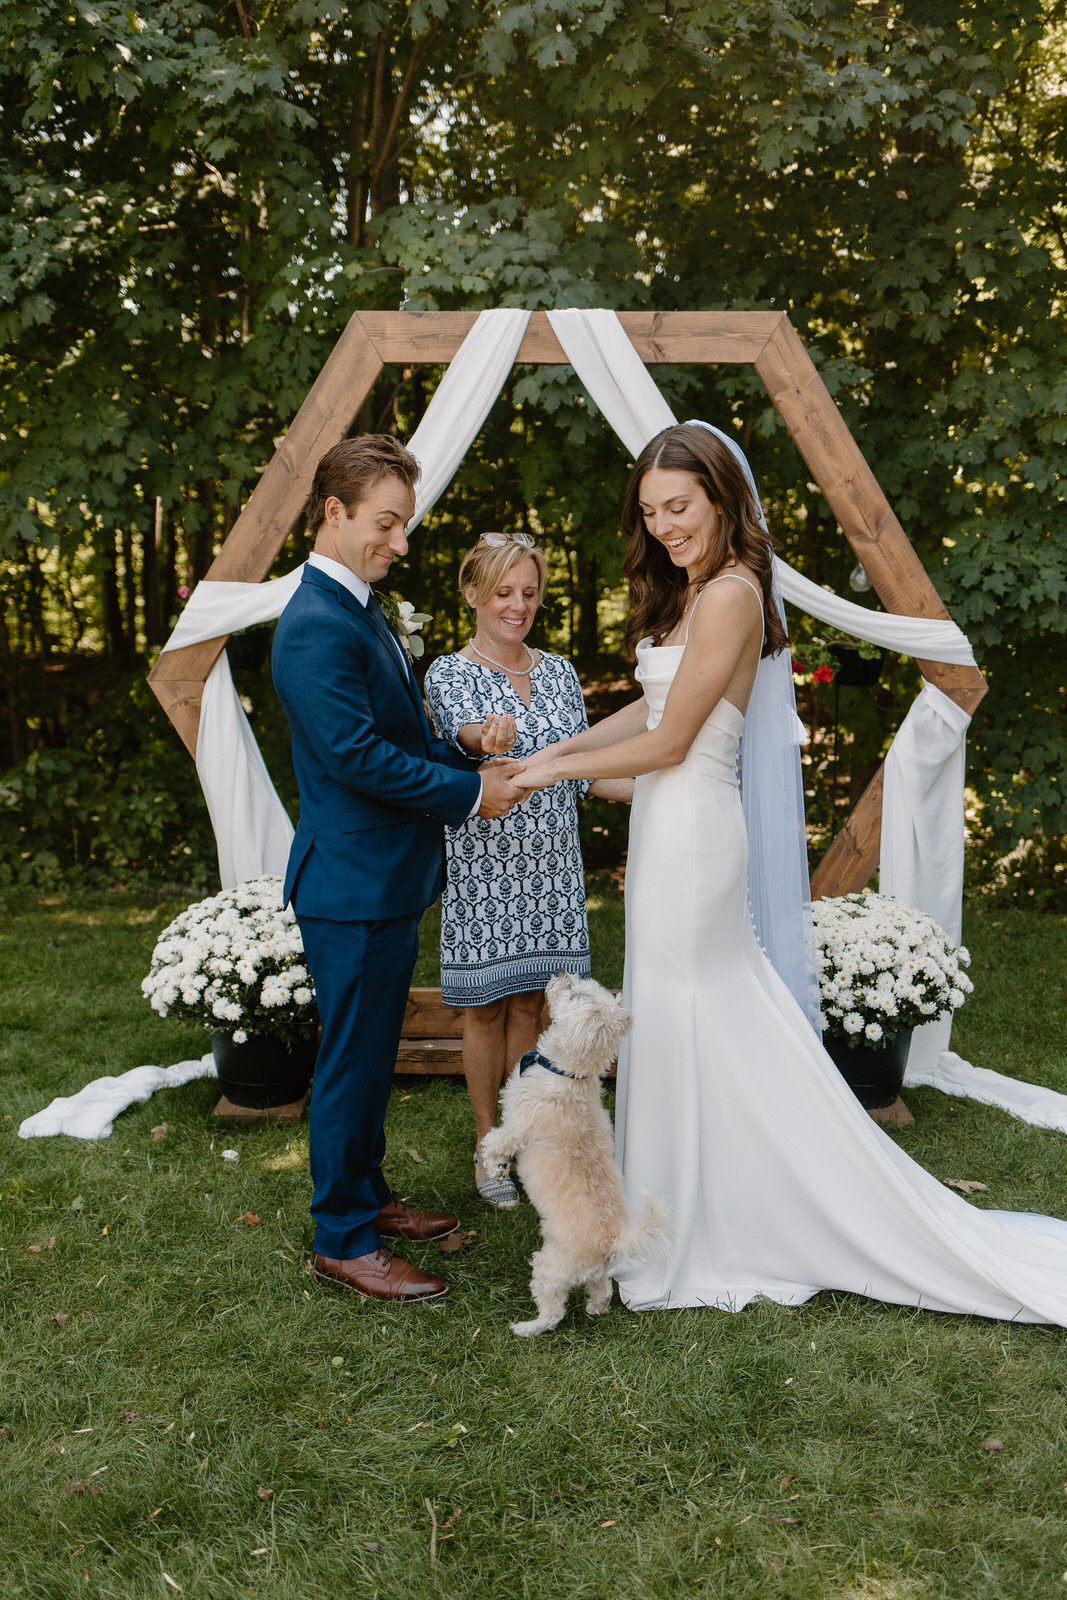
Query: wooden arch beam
763,339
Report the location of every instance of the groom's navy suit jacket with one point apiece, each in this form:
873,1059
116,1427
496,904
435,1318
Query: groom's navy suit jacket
368,857
375,784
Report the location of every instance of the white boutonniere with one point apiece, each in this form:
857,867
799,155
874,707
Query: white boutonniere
407,622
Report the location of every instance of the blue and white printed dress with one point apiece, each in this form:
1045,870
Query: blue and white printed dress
513,909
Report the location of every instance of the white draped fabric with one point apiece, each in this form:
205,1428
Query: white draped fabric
922,822
921,850
91,1112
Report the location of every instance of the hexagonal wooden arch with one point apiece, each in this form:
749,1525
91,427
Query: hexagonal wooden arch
767,339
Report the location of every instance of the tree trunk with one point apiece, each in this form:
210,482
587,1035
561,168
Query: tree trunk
376,114
10,670
129,589
150,590
118,648
200,543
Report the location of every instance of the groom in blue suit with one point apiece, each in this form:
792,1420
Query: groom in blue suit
375,790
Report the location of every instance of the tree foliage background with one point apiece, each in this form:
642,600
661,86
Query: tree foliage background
194,198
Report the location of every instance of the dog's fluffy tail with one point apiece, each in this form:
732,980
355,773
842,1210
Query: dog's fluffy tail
640,1241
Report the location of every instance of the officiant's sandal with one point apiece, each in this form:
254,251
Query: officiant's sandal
499,1192
381,1275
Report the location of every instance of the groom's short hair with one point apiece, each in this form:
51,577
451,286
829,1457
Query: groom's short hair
352,468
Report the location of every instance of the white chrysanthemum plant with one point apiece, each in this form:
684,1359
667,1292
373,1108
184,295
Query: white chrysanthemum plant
884,968
234,963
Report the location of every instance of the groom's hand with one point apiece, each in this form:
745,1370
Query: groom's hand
498,792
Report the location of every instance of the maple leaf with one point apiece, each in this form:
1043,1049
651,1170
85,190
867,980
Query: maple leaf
251,1218
59,1317
992,1445
265,1494
965,1185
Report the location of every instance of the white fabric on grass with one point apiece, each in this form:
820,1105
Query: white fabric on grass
90,1114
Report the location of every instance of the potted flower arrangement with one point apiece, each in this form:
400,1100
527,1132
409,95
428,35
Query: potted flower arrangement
884,970
234,963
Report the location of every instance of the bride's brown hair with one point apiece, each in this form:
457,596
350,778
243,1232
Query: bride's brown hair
658,589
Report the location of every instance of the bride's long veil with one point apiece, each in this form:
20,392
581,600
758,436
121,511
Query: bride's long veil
772,795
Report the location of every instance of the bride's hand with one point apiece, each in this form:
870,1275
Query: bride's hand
539,772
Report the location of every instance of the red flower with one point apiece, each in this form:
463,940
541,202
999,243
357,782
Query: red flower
823,674
798,666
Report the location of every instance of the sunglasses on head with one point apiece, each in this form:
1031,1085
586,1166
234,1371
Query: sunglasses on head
497,541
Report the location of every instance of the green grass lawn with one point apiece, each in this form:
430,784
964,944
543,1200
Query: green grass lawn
182,1410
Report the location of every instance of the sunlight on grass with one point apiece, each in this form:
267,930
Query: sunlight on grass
295,1156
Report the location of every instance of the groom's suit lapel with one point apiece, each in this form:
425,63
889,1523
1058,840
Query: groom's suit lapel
370,616
376,617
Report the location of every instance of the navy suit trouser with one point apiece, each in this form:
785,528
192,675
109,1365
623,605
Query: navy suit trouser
362,972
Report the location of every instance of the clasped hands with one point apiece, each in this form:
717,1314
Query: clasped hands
506,781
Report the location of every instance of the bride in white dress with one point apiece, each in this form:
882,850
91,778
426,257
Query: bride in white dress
780,1182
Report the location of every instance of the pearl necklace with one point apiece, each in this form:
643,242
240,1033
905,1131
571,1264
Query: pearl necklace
518,672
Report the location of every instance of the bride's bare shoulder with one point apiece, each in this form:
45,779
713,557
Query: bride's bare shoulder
742,595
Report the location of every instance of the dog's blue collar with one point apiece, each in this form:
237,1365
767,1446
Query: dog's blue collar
534,1058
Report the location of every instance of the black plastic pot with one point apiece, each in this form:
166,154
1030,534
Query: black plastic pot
265,1070
247,651
875,1075
855,671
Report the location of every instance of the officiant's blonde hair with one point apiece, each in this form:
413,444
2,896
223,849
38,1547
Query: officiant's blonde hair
485,567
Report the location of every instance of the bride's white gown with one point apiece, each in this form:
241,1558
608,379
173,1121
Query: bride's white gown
780,1183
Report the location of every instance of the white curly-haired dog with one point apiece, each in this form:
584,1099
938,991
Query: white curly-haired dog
555,1127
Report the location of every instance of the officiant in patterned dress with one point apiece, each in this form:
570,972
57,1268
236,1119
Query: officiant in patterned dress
513,910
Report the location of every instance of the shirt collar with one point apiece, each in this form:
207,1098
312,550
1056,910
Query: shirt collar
343,575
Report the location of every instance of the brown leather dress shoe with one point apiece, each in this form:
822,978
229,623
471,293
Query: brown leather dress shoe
381,1275
397,1221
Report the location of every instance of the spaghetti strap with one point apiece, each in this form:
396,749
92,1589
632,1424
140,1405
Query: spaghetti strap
740,578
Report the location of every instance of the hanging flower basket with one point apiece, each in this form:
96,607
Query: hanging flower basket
884,970
247,649
856,670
